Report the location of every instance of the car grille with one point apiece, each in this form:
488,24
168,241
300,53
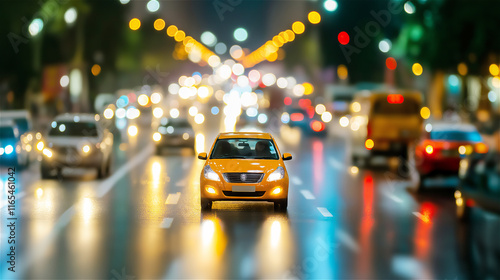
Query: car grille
244,194
243,177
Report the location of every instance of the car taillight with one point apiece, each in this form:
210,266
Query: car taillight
296,117
317,126
481,148
429,149
369,144
368,129
395,98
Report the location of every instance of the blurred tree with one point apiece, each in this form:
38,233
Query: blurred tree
442,34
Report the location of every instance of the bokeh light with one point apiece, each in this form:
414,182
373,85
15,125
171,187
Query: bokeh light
134,24
314,17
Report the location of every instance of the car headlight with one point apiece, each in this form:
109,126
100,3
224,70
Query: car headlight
40,145
210,174
86,149
47,152
277,174
157,136
9,149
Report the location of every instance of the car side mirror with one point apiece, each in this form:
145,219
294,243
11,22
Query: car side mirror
287,156
202,156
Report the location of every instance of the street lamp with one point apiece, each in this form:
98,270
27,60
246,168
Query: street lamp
70,16
240,34
330,5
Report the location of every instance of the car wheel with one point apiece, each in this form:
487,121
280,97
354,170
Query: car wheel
281,205
420,185
45,171
463,211
206,204
101,171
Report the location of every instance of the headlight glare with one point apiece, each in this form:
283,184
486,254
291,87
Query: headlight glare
210,174
86,149
277,174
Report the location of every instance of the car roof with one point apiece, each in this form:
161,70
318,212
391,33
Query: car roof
10,123
454,127
15,114
258,135
71,117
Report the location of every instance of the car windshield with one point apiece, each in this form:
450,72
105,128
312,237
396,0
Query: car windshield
407,107
7,132
69,128
455,135
244,148
22,125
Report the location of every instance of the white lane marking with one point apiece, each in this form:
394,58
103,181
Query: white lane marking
347,239
39,249
106,185
420,216
407,267
307,194
173,198
181,183
19,196
166,223
324,212
336,164
296,180
392,196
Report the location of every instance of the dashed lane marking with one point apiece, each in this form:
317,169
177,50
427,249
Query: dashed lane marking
166,223
307,194
324,212
173,198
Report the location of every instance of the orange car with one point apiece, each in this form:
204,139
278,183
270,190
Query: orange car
244,166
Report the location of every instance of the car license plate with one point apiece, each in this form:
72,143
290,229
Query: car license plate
243,189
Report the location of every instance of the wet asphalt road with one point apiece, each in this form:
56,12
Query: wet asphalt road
144,221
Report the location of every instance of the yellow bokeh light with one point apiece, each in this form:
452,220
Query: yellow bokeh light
180,35
342,72
272,57
289,35
159,24
171,30
96,69
298,27
314,17
496,82
134,24
425,112
308,88
494,70
462,69
417,69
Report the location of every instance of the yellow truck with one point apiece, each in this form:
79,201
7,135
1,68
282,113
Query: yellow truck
384,123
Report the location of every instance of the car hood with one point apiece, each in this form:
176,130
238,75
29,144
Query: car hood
244,165
70,141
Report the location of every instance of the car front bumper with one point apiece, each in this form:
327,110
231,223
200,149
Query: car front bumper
224,190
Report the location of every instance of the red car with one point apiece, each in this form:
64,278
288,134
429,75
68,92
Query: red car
440,152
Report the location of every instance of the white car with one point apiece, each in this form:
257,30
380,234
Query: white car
23,122
77,140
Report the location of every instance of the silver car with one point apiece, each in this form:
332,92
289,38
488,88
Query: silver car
77,140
